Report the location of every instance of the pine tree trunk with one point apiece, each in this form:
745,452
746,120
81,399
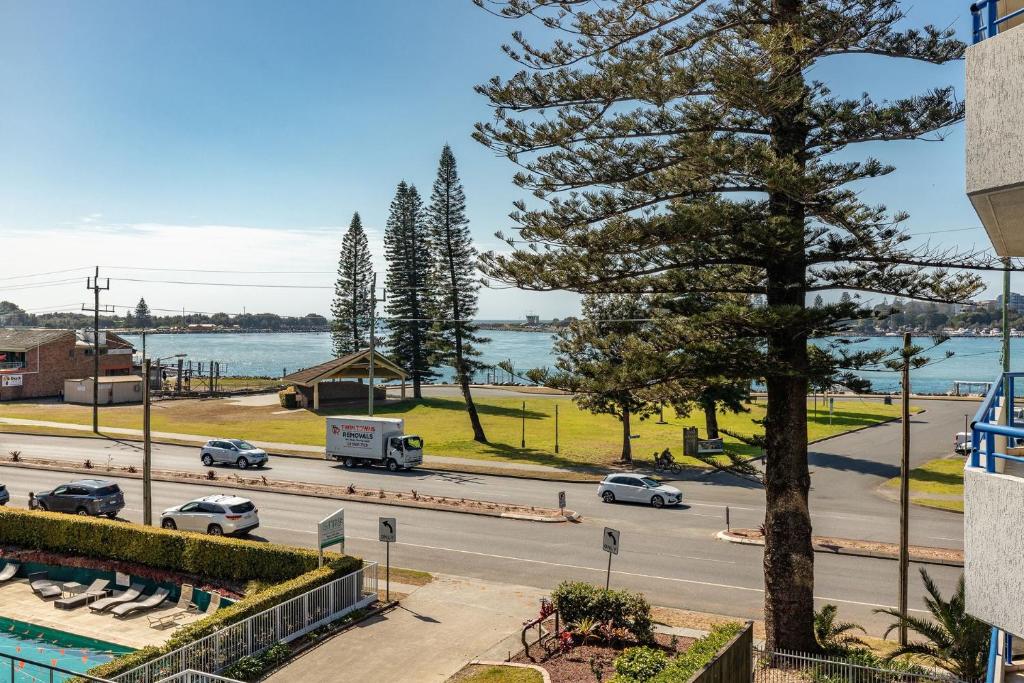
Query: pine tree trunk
627,443
788,554
474,417
710,418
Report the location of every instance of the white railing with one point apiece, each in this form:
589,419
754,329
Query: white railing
786,667
280,624
13,365
191,676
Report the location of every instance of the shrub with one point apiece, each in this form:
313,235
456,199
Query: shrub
576,600
253,668
288,398
638,664
217,557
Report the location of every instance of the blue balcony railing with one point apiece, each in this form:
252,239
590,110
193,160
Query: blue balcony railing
986,20
984,430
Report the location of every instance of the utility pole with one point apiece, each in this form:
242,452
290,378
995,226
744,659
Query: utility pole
147,449
905,492
373,338
93,283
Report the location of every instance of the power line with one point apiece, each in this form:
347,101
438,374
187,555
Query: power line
219,270
222,284
36,285
51,272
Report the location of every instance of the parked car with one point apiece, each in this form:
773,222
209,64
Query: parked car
217,515
632,488
5,495
84,497
232,452
962,443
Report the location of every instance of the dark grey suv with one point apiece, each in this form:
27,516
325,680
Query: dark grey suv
4,495
84,497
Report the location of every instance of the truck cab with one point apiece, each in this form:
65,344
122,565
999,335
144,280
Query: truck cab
405,452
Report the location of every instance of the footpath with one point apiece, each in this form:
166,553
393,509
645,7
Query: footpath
432,634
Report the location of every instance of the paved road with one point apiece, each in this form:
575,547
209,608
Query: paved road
669,554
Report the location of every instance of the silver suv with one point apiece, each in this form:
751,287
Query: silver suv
217,515
232,452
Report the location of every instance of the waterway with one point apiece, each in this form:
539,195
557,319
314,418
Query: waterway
271,355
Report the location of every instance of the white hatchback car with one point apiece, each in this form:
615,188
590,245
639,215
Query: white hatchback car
632,488
216,515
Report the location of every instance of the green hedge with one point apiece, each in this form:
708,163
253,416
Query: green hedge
576,600
211,556
648,665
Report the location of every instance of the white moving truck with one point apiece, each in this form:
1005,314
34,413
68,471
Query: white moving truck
372,441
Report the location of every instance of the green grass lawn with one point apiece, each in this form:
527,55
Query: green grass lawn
497,674
584,439
937,483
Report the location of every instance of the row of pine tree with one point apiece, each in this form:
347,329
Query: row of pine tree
431,286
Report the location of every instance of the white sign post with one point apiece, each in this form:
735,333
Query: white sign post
610,543
331,531
388,532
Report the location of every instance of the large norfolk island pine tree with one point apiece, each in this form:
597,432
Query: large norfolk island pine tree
409,253
350,310
682,148
454,283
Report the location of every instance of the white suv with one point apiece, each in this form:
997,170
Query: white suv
632,488
216,515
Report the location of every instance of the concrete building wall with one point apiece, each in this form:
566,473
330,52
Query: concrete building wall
121,391
995,138
994,548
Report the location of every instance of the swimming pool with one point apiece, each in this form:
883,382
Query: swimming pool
48,646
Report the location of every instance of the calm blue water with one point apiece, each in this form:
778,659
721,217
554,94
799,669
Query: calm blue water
269,355
48,646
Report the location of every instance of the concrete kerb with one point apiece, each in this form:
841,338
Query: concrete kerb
281,487
516,665
724,535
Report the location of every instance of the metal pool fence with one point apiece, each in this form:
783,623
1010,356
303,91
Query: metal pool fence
280,624
792,667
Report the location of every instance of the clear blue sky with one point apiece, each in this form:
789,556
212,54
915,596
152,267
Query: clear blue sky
243,134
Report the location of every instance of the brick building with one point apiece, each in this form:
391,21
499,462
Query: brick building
35,362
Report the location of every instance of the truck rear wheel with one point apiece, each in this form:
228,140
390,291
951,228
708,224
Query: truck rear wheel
347,462
392,465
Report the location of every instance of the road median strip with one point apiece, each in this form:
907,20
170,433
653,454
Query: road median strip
949,557
411,498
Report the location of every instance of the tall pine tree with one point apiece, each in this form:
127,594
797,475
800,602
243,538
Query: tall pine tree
454,283
143,317
680,149
409,253
350,310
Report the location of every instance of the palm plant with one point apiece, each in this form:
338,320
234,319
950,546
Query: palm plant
954,640
835,637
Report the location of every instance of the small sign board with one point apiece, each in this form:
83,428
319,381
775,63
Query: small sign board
331,530
561,500
11,380
610,541
689,441
710,446
388,529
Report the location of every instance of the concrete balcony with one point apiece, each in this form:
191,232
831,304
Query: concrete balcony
995,122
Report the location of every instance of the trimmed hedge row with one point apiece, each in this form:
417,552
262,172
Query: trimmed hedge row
212,556
648,665
243,609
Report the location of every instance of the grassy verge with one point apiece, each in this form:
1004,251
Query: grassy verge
475,673
584,439
937,484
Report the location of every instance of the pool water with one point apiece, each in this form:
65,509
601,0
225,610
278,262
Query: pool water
48,646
